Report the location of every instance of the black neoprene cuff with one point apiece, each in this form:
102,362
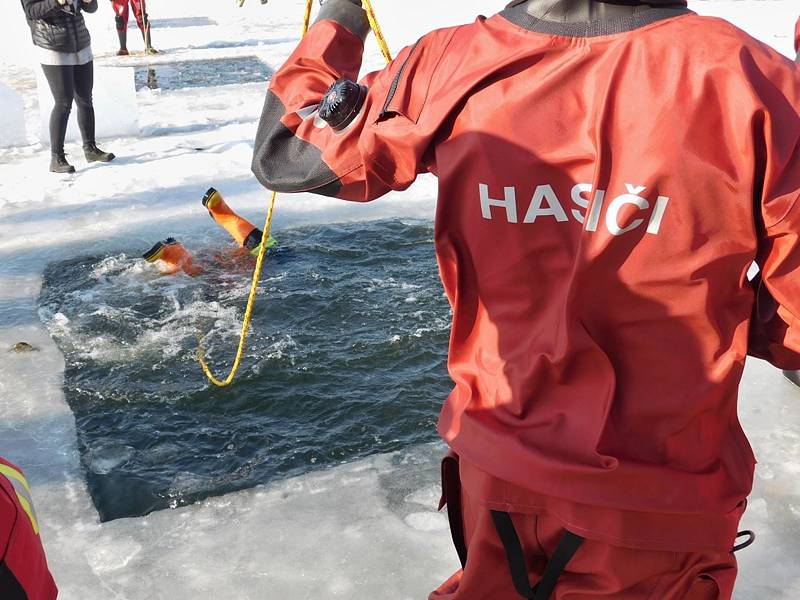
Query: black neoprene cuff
346,13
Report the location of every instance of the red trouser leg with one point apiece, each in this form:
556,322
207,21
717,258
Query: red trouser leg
139,13
597,570
121,11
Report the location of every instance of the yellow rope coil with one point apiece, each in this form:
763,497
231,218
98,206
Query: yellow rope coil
251,299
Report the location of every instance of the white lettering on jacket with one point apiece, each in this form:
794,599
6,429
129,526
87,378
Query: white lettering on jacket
509,203
624,213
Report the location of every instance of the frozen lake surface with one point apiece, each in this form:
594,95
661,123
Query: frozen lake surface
360,530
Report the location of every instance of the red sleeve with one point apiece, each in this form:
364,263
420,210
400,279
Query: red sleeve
797,35
385,146
775,328
23,566
8,516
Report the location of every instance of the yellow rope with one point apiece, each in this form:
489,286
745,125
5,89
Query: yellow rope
251,299
376,29
307,17
248,312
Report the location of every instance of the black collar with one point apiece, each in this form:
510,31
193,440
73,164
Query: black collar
517,13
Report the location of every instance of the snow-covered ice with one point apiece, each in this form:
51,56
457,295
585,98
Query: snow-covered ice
362,530
12,118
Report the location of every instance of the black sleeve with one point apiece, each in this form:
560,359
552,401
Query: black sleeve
37,9
9,585
89,7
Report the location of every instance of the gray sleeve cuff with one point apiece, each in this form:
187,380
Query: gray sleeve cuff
347,14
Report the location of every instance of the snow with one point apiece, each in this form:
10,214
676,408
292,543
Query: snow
363,530
12,118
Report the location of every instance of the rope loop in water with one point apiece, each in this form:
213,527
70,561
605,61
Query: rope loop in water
251,298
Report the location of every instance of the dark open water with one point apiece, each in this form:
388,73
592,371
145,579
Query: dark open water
346,358
201,73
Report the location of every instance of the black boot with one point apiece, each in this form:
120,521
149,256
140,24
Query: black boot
123,42
94,154
59,164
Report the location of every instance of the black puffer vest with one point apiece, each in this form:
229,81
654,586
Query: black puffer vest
56,27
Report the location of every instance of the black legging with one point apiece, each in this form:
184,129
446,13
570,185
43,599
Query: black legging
68,83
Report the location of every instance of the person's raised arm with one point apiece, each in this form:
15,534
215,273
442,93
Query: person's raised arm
323,131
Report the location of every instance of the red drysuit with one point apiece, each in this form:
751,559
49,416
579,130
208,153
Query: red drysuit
597,570
121,12
604,188
23,567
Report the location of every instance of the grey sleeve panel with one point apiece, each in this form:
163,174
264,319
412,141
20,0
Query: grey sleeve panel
347,14
283,162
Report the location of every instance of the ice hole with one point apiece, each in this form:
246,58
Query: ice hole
202,73
338,366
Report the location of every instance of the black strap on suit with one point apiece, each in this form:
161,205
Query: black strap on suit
565,550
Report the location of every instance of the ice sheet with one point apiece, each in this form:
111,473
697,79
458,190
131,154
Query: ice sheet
364,530
12,118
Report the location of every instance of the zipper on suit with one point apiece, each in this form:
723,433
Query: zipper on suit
396,82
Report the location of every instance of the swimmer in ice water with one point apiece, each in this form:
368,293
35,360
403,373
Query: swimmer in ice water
171,257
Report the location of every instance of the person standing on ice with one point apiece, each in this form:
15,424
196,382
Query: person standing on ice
65,53
608,172
121,12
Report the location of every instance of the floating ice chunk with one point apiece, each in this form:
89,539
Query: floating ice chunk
12,118
106,458
188,483
111,554
428,496
427,521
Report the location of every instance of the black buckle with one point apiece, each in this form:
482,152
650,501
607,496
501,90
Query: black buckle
751,537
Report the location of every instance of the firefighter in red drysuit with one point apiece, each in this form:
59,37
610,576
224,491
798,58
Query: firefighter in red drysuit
23,567
121,12
608,172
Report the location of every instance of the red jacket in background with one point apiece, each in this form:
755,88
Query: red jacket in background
603,190
23,567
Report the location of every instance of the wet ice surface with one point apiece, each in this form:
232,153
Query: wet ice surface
202,73
345,358
363,530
